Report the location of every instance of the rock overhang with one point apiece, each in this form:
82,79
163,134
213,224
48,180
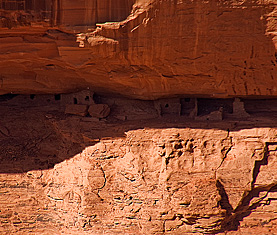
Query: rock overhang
162,49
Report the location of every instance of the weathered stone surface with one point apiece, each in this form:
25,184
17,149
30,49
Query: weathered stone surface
84,97
99,110
76,109
71,175
213,116
89,12
239,110
163,48
152,166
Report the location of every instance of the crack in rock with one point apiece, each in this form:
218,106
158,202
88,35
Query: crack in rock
232,219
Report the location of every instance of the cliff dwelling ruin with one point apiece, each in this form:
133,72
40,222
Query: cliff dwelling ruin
138,117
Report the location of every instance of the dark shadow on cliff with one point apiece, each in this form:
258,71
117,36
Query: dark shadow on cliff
232,221
246,206
38,136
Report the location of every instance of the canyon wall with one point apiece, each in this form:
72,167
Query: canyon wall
90,12
65,174
162,49
103,163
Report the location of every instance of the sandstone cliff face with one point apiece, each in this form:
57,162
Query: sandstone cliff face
163,48
88,13
223,47
145,169
63,174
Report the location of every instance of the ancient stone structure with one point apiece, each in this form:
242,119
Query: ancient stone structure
138,117
62,173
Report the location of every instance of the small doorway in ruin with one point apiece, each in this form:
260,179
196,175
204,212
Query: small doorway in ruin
206,106
187,106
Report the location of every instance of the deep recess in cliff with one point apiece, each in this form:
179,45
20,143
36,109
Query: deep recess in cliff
150,167
138,117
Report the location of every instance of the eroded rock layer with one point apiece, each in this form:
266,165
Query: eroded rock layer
163,48
67,174
84,163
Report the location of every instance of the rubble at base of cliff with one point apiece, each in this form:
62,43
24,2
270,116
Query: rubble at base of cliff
138,117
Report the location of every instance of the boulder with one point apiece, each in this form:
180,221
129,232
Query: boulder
99,110
76,109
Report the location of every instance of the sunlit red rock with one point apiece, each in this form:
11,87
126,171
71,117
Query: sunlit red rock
162,49
78,155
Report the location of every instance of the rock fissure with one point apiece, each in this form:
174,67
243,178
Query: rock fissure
133,36
246,206
124,129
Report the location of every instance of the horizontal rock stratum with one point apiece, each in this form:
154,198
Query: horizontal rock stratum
150,49
114,118
66,174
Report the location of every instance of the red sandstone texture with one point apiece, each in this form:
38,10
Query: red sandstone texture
84,163
156,49
141,174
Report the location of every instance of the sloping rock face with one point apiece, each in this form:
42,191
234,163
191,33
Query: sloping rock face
163,48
